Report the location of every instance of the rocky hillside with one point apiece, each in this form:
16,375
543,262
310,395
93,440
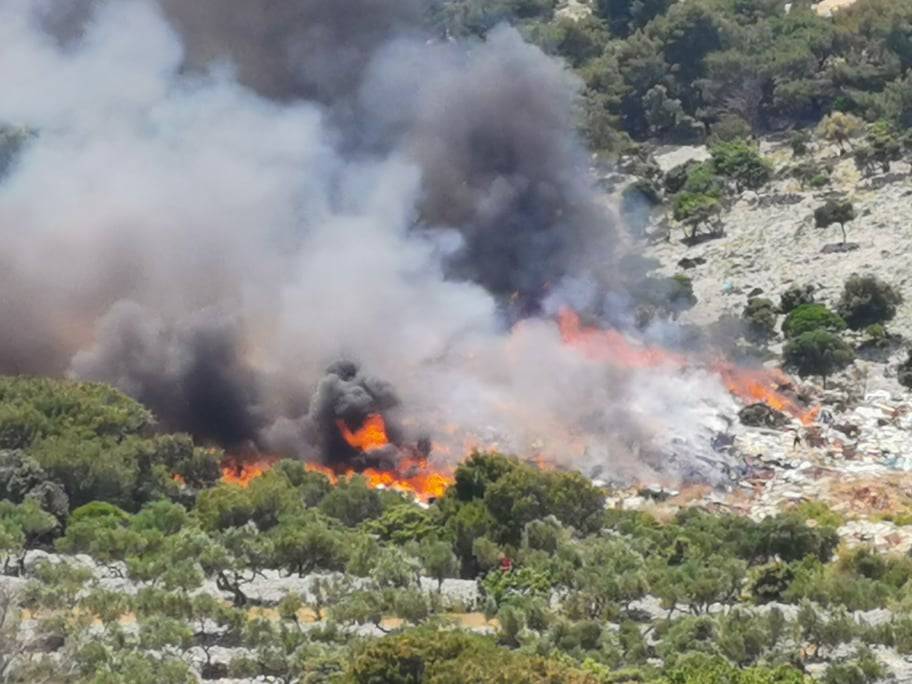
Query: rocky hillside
770,241
855,448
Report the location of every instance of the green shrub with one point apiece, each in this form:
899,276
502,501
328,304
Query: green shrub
865,668
809,317
819,512
427,655
703,179
817,352
809,173
352,502
883,147
840,128
760,315
637,201
799,141
730,127
769,582
867,300
740,161
666,296
795,296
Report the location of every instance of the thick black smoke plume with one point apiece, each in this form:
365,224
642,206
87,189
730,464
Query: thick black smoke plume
344,396
217,199
194,375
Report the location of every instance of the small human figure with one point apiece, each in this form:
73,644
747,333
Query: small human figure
797,442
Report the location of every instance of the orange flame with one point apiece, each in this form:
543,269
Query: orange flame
413,476
371,435
242,472
612,346
763,385
749,385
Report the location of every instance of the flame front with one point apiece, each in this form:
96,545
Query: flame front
242,472
413,476
763,385
370,436
611,346
749,385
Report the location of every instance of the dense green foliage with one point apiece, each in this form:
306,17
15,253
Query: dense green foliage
72,443
722,68
808,317
742,163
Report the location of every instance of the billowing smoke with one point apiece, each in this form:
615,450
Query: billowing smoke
345,396
217,201
288,49
193,373
490,129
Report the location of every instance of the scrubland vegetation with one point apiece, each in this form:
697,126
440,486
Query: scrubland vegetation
574,592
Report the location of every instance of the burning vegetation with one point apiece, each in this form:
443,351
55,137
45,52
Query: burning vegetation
749,385
410,473
371,453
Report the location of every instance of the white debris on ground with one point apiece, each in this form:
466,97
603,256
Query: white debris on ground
857,455
857,461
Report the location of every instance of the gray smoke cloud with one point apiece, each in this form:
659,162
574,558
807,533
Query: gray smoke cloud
288,49
196,221
490,127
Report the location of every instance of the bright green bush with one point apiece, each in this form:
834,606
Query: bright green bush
809,317
740,161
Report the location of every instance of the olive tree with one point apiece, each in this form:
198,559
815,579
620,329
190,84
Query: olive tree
835,211
817,352
867,300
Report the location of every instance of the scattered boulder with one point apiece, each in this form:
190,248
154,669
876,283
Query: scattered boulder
840,248
849,430
780,200
761,415
691,262
722,441
656,492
